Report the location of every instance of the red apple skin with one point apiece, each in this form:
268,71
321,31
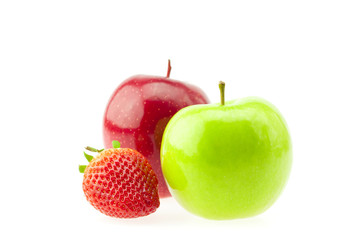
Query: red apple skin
138,111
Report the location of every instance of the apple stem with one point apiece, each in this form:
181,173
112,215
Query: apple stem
169,69
222,92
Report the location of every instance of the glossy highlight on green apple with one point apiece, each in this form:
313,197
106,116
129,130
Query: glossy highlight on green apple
227,160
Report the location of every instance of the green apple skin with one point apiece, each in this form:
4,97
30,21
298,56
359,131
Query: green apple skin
227,161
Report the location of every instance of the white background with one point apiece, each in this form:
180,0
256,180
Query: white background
61,60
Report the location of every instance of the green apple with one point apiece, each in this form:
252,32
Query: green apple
227,160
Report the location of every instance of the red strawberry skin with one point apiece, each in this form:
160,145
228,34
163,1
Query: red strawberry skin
121,183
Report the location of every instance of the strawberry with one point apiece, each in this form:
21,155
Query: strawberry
120,182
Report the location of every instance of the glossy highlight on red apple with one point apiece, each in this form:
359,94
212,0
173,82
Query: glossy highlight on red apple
139,110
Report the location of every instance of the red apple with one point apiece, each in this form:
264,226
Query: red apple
140,108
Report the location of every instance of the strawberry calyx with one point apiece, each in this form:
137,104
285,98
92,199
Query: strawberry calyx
91,149
82,168
115,144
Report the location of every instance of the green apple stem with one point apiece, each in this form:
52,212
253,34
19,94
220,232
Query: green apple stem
169,69
222,92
